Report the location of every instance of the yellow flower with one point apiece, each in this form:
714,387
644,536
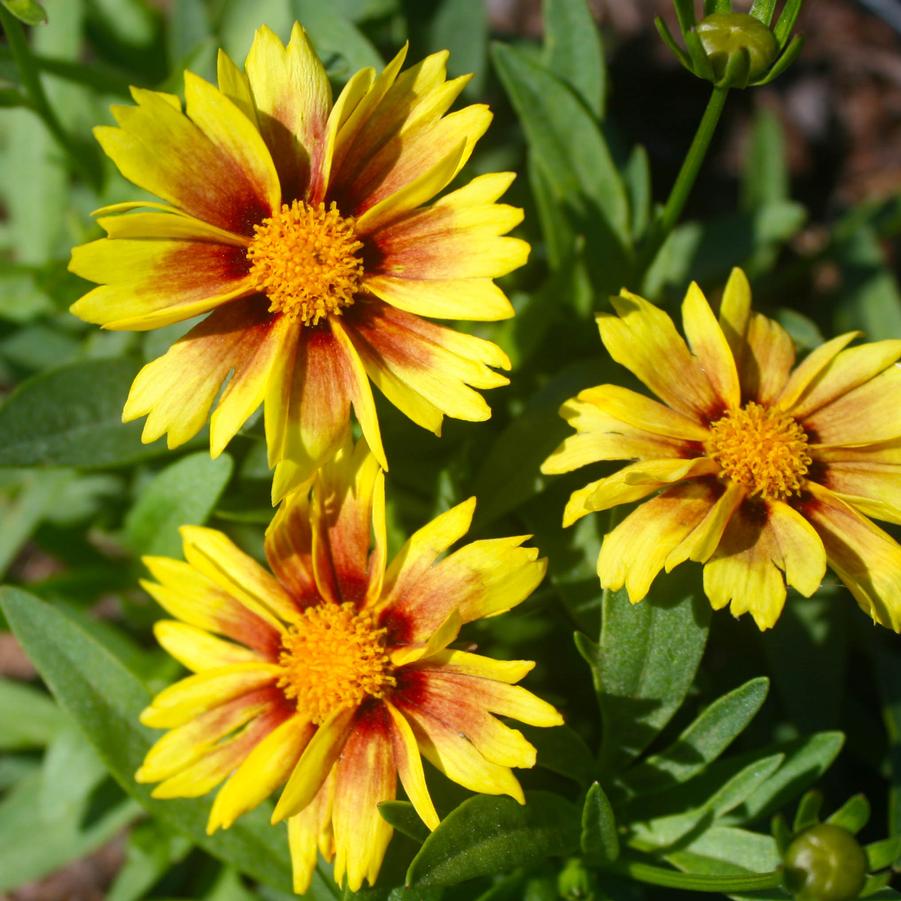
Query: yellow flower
761,470
334,675
304,229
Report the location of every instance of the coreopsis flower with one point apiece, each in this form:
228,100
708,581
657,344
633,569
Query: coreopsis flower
304,229
760,470
334,675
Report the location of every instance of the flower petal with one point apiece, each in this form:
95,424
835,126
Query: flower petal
190,596
220,559
763,540
313,767
176,390
292,96
145,284
435,362
196,694
170,223
633,482
703,540
365,775
636,550
864,557
182,746
196,649
475,299
289,548
349,497
309,828
215,167
709,345
212,768
643,338
264,769
409,767
811,367
872,488
467,664
846,371
865,415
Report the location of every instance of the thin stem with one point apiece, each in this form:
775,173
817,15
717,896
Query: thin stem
686,178
651,875
31,82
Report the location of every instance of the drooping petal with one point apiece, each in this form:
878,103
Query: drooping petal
195,599
643,339
865,558
702,541
309,828
196,649
314,766
176,390
189,697
145,284
308,404
292,97
636,550
865,415
709,345
766,544
348,510
846,371
264,769
633,482
365,775
211,163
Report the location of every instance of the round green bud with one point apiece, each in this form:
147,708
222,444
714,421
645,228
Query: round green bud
725,34
825,863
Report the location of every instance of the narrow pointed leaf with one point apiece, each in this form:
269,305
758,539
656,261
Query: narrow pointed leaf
808,812
853,815
670,41
573,50
763,10
599,841
785,24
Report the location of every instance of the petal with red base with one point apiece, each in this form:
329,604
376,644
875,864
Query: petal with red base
176,390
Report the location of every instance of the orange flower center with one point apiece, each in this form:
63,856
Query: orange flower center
333,657
762,448
306,260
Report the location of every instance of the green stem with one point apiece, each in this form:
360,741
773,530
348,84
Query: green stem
686,178
651,875
37,97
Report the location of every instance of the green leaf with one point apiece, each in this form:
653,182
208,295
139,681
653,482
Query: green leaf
806,759
725,850
71,771
661,832
30,719
853,815
885,853
72,416
765,178
151,851
562,750
105,698
403,817
647,658
27,11
184,493
808,812
333,34
487,835
702,741
573,51
571,150
637,176
599,840
461,26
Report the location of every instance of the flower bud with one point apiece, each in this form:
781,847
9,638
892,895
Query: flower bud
825,863
729,37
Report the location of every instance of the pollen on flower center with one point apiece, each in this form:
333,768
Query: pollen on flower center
306,260
762,448
334,657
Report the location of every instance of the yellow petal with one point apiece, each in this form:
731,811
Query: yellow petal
709,345
409,768
196,649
